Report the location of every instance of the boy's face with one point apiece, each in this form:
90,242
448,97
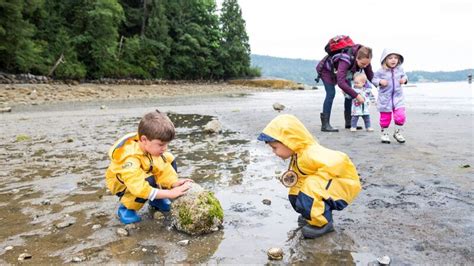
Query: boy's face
280,150
154,147
392,60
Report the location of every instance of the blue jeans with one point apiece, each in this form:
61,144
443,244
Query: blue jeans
330,93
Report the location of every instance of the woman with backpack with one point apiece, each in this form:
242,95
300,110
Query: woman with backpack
343,60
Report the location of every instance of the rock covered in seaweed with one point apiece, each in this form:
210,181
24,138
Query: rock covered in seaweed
197,212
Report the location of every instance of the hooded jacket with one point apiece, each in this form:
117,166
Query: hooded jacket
131,171
391,96
343,75
327,179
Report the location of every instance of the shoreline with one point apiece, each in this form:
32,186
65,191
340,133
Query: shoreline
14,95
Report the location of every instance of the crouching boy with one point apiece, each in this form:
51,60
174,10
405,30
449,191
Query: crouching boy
320,180
141,170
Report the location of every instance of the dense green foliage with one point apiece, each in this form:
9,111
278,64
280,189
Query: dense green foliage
304,71
169,39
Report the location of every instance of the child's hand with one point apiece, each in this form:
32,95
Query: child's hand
178,191
383,83
403,81
360,99
181,181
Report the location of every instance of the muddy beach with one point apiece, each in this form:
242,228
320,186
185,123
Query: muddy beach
416,205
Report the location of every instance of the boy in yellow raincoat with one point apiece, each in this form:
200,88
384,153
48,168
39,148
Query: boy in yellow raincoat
326,180
141,169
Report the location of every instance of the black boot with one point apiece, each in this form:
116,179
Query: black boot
347,118
311,231
325,126
302,221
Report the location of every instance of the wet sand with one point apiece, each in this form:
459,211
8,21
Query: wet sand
416,204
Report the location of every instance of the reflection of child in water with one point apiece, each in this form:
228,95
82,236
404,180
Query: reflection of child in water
359,109
326,180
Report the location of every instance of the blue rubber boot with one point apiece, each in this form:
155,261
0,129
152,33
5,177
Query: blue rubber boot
162,205
127,216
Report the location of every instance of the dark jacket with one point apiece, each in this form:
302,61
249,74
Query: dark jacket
343,69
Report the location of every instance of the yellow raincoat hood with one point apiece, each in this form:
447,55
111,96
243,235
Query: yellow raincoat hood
288,130
124,147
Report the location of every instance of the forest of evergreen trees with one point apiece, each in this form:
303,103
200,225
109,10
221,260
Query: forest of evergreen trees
151,39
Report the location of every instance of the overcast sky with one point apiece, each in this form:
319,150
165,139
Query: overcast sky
432,35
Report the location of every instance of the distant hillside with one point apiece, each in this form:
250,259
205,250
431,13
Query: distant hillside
424,76
303,71
298,70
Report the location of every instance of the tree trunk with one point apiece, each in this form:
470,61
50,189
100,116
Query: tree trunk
144,18
59,61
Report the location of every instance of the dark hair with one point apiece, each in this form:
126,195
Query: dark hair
156,125
364,52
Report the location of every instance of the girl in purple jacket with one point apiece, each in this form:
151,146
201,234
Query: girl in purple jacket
389,80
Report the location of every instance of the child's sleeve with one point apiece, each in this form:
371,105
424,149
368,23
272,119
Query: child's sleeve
403,74
377,78
134,177
163,170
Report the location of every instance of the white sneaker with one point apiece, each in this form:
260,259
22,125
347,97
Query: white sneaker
398,136
385,138
353,129
369,129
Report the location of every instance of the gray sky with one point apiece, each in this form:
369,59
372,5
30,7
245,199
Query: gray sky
432,35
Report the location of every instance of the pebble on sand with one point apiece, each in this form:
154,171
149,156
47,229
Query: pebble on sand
122,232
275,254
64,224
183,242
278,107
385,260
24,256
213,126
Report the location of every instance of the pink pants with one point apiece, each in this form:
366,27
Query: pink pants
398,116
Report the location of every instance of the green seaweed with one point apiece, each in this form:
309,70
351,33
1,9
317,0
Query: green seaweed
185,216
22,137
215,209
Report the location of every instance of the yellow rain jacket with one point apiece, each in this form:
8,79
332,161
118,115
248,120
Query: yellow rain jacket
327,179
134,175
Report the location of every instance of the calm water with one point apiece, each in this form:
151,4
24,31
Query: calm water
435,96
440,96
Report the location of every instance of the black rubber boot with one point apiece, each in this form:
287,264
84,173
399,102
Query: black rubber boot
347,118
302,221
325,126
311,231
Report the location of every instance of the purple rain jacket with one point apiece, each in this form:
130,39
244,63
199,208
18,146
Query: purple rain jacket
391,96
344,73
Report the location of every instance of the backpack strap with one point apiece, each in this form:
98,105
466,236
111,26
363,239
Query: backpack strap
331,62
